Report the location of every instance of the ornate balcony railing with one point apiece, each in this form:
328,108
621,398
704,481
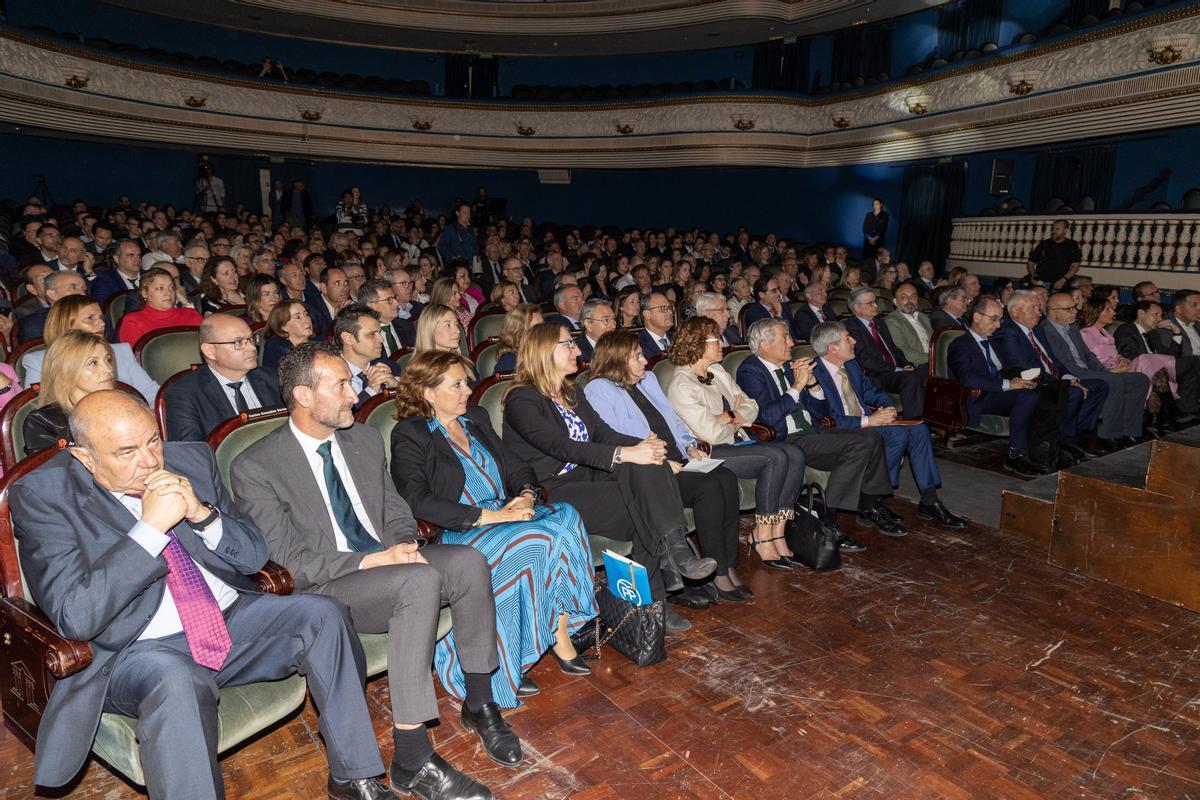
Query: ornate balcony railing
1119,245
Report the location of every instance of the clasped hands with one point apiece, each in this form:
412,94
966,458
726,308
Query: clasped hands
168,499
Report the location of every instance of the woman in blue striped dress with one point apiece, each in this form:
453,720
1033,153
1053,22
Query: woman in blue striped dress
452,469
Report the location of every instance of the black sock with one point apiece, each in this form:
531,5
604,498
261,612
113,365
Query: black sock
479,690
412,747
929,495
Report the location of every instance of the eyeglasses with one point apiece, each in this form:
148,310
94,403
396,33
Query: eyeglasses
989,316
570,344
659,308
602,320
1062,308
238,344
710,341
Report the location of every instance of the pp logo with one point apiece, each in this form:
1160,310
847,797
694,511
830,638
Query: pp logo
627,591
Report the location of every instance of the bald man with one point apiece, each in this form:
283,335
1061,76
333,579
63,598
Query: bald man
134,547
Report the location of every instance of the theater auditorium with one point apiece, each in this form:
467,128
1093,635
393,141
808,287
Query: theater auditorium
600,399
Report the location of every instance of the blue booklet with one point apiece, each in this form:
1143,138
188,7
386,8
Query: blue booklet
627,579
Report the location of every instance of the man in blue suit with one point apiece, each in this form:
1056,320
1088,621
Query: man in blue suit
972,361
855,459
766,292
851,396
335,293
1020,345
658,316
357,333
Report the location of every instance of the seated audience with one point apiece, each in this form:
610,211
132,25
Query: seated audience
158,309
621,485
972,361
910,327
658,320
262,294
768,305
714,306
506,296
229,383
80,312
885,282
597,318
123,274
1002,289
407,309
855,402
1097,314
716,412
377,295
90,525
289,325
789,401
741,294
1021,346
470,295
1122,417
880,359
951,311
438,328
219,286
851,278
627,306
299,485
356,332
452,469
568,305
77,364
333,293
57,285
816,309
445,292
1148,333
516,324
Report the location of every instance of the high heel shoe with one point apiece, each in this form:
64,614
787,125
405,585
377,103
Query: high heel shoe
769,563
573,666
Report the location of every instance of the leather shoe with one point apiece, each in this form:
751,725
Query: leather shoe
574,666
681,559
733,596
744,592
1024,467
499,741
527,688
879,518
690,597
676,623
890,515
1075,451
848,545
941,515
358,789
437,780
1108,445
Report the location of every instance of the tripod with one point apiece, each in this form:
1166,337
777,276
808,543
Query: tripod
42,191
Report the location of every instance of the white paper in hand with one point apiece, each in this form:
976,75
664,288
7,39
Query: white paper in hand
703,464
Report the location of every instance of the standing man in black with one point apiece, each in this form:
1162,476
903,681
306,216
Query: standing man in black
1055,261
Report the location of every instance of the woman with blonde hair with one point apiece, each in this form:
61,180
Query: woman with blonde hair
506,295
851,278
622,486
77,364
438,329
516,324
82,313
454,471
445,292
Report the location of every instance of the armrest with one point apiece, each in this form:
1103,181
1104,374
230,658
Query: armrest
274,579
762,433
61,656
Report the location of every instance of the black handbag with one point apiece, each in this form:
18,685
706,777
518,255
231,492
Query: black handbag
812,542
637,632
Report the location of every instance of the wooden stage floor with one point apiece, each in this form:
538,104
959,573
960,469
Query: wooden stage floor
940,665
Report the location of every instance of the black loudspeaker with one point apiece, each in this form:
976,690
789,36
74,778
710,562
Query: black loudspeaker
1001,176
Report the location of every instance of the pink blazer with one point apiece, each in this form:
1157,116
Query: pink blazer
1102,344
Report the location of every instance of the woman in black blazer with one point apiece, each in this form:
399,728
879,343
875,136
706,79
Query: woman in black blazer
452,469
77,364
620,485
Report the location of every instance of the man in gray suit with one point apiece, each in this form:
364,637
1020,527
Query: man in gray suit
1125,404
909,327
132,546
320,490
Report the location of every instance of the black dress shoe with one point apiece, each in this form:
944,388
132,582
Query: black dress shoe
848,545
527,688
437,780
574,666
1024,467
744,592
690,597
732,596
359,789
1108,445
499,741
879,518
676,623
941,515
890,515
1075,451
792,561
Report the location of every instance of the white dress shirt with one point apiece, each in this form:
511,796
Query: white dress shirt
165,621
819,312
317,464
912,320
1037,345
989,353
359,380
793,393
252,401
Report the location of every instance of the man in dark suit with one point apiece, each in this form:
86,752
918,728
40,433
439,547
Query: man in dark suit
1121,418
855,459
56,285
714,306
124,275
228,383
816,309
658,317
133,546
1179,335
514,272
356,332
1148,332
493,269
319,489
597,318
766,293
296,206
972,361
335,293
314,265
855,402
878,356
378,296
951,312
568,303
924,280
407,309
1020,346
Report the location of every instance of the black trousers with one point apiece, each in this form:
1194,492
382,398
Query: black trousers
856,461
713,499
634,502
910,385
1187,373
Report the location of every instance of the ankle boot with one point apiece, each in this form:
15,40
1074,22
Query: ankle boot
679,558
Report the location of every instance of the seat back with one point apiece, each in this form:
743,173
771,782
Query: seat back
804,350
380,413
581,380
12,426
485,362
1112,328
485,326
12,579
489,394
114,306
402,359
663,370
166,351
160,399
733,360
233,436
16,357
941,346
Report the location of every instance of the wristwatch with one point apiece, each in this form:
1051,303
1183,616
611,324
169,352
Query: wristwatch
617,456
213,516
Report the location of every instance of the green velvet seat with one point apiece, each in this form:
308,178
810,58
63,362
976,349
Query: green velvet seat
228,447
375,644
403,360
485,362
487,326
163,353
733,360
383,418
115,307
599,544
19,366
990,424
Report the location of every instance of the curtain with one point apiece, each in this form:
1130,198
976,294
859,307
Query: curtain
968,24
1072,174
779,66
861,52
932,196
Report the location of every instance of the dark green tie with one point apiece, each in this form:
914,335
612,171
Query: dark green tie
802,424
343,510
390,340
